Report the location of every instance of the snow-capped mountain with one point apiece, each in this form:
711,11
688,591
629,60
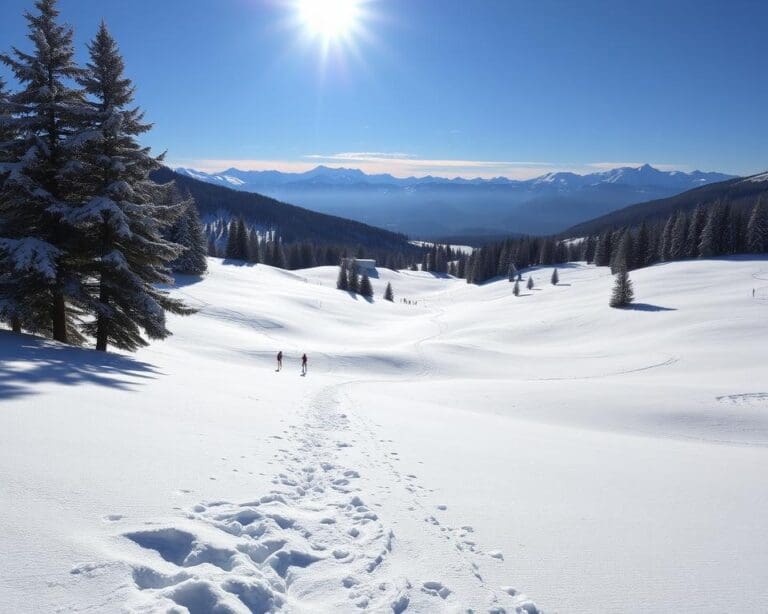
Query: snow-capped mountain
438,206
645,175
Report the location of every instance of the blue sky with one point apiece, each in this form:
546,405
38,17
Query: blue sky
448,87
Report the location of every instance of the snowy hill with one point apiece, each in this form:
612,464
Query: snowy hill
437,207
462,451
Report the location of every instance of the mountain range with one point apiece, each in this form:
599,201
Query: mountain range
435,206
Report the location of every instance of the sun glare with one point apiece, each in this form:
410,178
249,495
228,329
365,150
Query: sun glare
329,19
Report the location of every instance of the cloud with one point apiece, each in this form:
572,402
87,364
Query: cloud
402,164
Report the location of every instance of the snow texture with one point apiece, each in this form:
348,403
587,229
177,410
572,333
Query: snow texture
457,454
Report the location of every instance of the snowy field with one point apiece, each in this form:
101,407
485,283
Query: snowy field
472,451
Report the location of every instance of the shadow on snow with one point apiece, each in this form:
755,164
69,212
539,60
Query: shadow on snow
27,362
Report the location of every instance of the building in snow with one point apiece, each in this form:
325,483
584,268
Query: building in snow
363,264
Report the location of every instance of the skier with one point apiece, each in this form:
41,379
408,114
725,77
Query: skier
304,364
279,360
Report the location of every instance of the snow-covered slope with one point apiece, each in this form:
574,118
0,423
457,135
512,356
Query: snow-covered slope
460,451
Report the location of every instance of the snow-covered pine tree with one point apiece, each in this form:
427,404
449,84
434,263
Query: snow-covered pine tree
511,271
757,228
388,294
622,294
695,228
679,237
7,136
555,277
603,250
529,285
665,246
642,247
188,232
366,289
36,245
516,288
624,254
124,213
237,240
342,281
353,278
711,235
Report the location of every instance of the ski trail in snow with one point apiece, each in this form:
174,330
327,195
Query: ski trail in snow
314,542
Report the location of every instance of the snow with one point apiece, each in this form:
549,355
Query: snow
464,249
473,450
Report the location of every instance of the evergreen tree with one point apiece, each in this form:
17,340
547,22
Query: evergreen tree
342,282
678,241
37,244
624,254
603,250
188,232
622,294
353,278
388,294
757,229
365,289
7,277
555,277
516,288
642,247
237,241
695,229
123,213
665,246
511,271
711,235
529,285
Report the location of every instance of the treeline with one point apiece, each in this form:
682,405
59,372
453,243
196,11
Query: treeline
236,239
83,231
719,230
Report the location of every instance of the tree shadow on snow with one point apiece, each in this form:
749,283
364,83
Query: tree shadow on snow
647,307
27,363
181,281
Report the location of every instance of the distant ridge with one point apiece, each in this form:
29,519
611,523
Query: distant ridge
741,193
431,207
293,223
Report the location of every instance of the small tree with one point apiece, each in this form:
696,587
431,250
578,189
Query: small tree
623,294
529,285
511,272
516,289
555,278
365,289
388,294
342,283
353,279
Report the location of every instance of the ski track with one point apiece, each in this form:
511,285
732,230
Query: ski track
315,542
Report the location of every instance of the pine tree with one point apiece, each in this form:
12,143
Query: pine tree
603,250
353,278
38,246
642,247
342,282
8,134
511,271
365,289
665,246
529,285
679,237
516,288
757,229
388,294
711,235
622,294
124,213
237,241
555,277
188,232
695,228
624,254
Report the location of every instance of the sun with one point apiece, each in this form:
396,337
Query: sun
329,19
